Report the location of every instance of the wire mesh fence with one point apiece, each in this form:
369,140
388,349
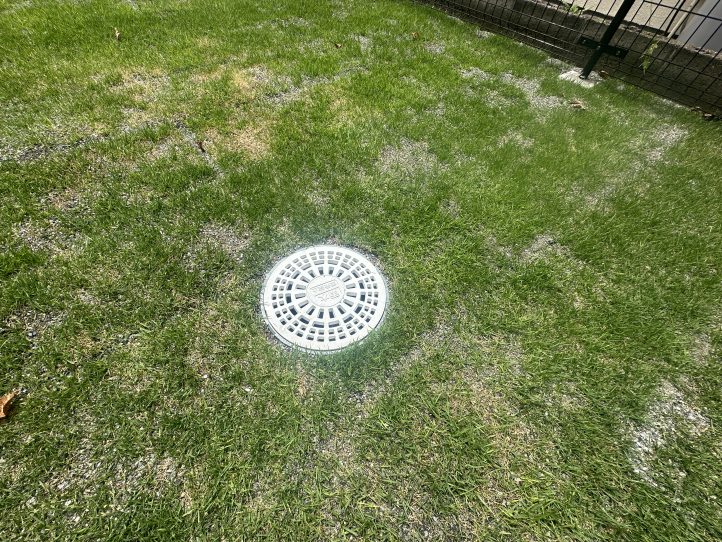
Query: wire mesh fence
672,47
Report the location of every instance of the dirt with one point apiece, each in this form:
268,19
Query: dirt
474,73
90,468
665,137
407,159
542,247
253,140
143,85
435,48
232,242
532,90
702,349
515,138
668,418
63,200
48,236
33,324
364,42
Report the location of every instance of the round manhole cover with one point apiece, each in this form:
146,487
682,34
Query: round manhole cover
323,298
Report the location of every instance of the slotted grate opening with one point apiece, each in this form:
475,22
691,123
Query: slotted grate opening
324,298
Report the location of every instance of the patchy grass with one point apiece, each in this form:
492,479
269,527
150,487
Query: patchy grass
550,366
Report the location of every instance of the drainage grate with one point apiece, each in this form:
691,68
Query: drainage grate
324,298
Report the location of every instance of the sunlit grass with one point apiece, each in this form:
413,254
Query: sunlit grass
550,364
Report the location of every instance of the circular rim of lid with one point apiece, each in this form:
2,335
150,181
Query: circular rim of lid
288,338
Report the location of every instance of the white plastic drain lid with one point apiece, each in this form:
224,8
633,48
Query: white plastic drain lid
324,298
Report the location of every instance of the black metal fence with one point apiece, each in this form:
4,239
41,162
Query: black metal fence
672,47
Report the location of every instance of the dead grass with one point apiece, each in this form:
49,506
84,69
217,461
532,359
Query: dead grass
340,446
212,330
531,89
515,138
664,138
408,159
399,501
346,113
144,85
670,417
137,118
456,433
474,73
365,42
248,81
544,247
702,350
648,152
232,241
198,146
451,208
435,48
89,470
496,99
48,236
173,144
33,324
565,396
64,200
253,141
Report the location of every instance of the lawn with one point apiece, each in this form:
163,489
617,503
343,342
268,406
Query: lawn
551,363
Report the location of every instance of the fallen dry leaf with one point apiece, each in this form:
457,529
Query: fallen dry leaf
338,46
576,104
415,35
117,34
5,402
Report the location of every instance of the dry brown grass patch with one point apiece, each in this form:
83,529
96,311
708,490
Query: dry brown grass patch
64,200
545,247
33,324
702,350
143,85
139,118
668,418
48,236
89,469
408,159
254,141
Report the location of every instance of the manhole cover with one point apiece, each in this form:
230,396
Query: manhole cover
324,298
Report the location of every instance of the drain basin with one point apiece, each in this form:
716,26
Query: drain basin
323,298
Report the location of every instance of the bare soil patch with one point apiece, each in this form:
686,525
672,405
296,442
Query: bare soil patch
670,417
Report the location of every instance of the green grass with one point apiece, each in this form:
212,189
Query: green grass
550,365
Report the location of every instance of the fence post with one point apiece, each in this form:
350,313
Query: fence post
603,45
